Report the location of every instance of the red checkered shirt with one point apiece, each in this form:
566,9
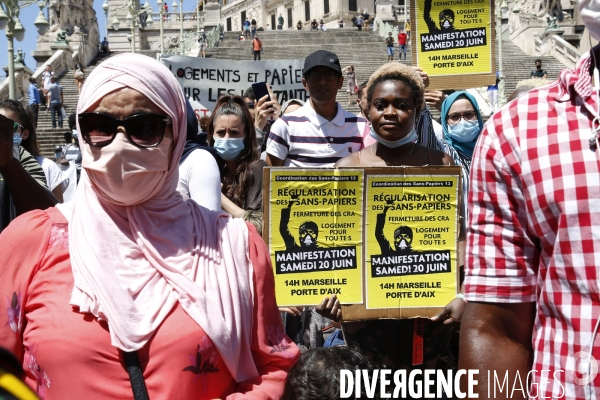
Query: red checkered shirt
534,229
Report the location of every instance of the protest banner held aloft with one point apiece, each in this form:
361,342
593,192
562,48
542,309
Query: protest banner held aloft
204,79
411,240
314,231
390,230
453,42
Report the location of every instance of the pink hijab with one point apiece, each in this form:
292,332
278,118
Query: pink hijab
132,264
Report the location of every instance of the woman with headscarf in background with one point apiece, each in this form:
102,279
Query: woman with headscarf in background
461,124
133,278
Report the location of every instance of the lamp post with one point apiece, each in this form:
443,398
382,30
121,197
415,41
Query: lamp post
198,17
161,10
181,22
132,18
500,8
174,7
9,20
105,7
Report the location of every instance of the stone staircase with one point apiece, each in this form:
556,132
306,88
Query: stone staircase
364,50
518,66
49,137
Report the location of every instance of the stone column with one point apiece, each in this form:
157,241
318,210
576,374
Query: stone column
212,16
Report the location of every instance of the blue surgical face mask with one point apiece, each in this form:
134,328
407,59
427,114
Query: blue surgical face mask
411,137
464,131
229,149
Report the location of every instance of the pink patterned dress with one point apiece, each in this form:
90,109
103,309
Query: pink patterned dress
67,354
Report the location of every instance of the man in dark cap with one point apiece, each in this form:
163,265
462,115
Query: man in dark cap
321,132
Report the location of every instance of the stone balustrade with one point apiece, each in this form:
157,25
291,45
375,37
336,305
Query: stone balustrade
171,20
563,51
550,43
538,44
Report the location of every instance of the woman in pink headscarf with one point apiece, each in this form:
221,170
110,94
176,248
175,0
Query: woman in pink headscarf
133,284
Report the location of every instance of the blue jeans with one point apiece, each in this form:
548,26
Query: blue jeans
55,108
390,51
401,50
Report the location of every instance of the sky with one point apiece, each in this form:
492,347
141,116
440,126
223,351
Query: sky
28,16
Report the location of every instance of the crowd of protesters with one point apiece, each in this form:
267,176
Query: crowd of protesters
154,278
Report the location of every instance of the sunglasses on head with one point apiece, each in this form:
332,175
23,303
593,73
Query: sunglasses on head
16,127
142,130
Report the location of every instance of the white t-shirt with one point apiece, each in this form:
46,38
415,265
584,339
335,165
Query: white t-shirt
200,179
439,131
54,175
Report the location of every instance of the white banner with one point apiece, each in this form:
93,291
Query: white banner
205,79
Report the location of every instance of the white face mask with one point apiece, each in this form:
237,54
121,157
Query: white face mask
590,15
411,137
308,240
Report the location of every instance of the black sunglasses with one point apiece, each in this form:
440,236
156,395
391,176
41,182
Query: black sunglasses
142,130
315,76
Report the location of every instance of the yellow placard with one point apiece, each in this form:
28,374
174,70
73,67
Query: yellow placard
315,235
454,37
411,231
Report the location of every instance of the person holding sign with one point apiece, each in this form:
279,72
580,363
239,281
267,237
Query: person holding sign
232,134
321,132
134,275
394,100
395,97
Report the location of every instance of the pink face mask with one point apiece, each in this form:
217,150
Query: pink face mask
124,174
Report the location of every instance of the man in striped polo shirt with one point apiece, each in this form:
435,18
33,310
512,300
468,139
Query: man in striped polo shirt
321,132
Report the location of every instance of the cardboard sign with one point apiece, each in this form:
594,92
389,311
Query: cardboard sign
204,80
390,230
454,42
314,231
411,229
